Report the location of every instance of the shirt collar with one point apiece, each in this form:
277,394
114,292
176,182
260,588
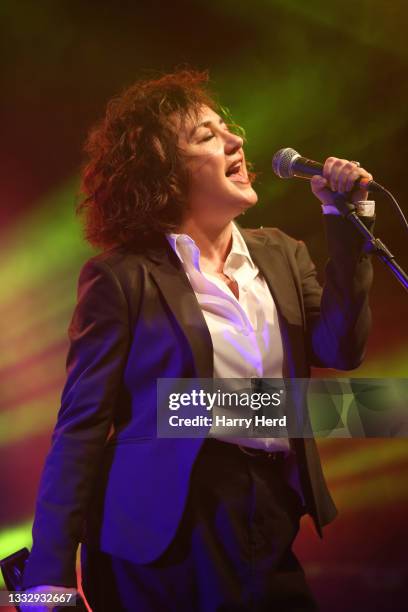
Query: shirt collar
185,247
239,246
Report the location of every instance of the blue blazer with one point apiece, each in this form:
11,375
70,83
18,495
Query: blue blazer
108,480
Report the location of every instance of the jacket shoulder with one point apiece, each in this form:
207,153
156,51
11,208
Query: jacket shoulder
276,236
115,259
115,262
115,268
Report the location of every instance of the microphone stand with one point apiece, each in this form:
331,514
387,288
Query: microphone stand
373,244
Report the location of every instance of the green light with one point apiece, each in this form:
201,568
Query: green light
46,242
14,538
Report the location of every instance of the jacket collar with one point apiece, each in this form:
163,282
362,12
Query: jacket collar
167,270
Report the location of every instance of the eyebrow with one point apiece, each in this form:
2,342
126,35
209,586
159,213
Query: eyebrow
204,124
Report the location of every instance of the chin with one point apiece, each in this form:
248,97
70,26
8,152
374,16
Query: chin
249,199
244,205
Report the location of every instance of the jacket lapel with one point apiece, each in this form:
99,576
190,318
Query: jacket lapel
175,287
268,255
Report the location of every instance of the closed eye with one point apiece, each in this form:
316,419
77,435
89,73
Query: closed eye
207,138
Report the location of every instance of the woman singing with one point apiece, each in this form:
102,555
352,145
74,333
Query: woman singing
179,290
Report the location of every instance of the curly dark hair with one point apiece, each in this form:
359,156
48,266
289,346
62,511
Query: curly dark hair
136,183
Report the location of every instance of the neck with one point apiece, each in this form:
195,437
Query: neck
214,242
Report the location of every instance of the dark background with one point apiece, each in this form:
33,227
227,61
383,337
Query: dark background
323,78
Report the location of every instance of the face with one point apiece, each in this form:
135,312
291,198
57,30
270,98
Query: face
220,189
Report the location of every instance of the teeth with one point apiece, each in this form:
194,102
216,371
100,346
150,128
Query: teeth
234,169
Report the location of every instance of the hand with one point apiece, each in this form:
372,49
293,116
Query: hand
339,176
49,589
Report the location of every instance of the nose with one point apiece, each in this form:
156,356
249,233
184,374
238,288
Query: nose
233,143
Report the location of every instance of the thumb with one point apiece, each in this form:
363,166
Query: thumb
318,183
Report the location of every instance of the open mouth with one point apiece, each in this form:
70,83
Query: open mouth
236,173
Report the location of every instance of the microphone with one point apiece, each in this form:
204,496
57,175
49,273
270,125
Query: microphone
287,163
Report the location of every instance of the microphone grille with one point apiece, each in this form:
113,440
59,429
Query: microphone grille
282,162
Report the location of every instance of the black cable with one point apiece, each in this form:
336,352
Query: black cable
397,206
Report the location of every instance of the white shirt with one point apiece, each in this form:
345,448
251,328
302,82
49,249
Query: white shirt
245,332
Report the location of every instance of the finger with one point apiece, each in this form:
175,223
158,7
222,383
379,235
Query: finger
337,173
318,184
345,178
327,167
334,168
351,179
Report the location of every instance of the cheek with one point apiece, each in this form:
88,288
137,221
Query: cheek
207,170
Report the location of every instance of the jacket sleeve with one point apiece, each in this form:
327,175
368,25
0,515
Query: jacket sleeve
338,317
99,338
